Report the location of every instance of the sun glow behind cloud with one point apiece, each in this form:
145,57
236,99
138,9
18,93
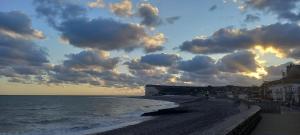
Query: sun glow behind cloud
260,52
263,50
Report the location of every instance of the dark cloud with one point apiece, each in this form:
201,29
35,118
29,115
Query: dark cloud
199,65
238,62
18,24
206,71
114,79
107,34
160,59
20,57
57,10
275,72
28,70
23,61
221,79
149,14
282,8
153,49
83,68
93,68
136,65
173,19
284,37
145,73
251,18
213,8
235,79
102,34
20,52
295,53
222,41
63,75
90,59
203,70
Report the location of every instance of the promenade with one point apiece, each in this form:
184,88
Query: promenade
286,123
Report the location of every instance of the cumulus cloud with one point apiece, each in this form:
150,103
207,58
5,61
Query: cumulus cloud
56,11
116,79
98,33
107,34
222,41
203,71
20,52
251,18
18,25
90,60
284,9
149,14
123,8
160,59
221,79
238,62
154,43
16,50
283,37
21,60
145,73
199,64
86,67
149,69
62,75
96,4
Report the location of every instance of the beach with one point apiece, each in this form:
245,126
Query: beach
194,114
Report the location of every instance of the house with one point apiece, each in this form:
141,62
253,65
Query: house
215,91
285,90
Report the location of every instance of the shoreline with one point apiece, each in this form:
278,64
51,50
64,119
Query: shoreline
173,103
199,114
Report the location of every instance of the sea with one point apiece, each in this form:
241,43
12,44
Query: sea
72,115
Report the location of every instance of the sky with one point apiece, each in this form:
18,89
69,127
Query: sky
115,47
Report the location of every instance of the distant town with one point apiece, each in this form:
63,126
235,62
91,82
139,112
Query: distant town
284,91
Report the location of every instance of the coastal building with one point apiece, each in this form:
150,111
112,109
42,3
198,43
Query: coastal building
216,91
154,90
285,90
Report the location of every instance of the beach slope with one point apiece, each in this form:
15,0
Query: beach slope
194,116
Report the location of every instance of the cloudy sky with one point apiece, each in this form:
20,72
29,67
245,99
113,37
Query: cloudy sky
115,47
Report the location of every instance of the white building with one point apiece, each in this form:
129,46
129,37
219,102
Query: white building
285,92
287,89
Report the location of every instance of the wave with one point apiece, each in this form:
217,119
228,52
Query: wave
48,121
80,115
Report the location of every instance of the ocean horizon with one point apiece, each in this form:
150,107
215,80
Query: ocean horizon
76,115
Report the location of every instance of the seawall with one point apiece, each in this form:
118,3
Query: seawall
239,124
